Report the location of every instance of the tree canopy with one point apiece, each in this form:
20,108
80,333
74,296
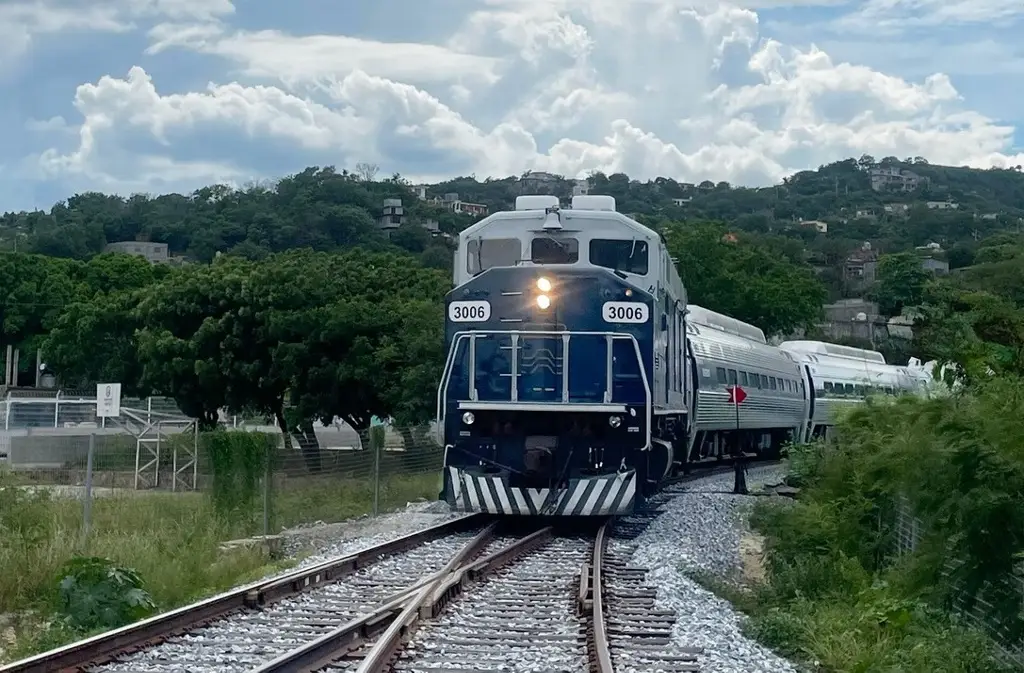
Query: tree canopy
289,300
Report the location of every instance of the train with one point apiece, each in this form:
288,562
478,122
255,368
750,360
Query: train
579,379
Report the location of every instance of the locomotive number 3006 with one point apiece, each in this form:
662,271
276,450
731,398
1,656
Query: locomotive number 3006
625,312
469,311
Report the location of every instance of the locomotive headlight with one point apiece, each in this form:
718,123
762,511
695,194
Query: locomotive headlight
544,285
543,301
468,418
614,421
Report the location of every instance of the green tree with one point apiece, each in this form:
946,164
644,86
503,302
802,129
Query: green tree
744,280
900,281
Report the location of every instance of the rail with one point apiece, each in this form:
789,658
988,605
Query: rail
607,403
382,631
105,646
601,653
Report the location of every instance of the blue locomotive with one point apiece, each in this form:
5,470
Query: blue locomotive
579,378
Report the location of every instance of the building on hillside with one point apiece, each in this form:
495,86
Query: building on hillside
154,253
581,187
859,268
420,191
392,215
452,202
683,201
854,318
822,227
942,205
939,267
538,182
897,208
894,178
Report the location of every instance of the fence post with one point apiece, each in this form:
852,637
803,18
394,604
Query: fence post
267,485
87,502
377,447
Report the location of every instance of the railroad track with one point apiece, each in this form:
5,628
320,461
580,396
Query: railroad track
539,602
458,596
188,623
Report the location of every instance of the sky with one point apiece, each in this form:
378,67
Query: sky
128,96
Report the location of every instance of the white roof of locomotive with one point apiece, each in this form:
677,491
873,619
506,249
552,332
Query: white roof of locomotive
598,210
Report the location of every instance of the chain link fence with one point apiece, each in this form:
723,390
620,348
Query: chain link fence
909,533
153,459
149,492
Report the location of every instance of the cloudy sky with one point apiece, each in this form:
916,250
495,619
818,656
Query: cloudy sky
168,95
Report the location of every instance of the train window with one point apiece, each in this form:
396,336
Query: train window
849,389
551,250
732,377
772,383
628,256
720,373
743,379
861,390
764,382
828,386
789,385
484,254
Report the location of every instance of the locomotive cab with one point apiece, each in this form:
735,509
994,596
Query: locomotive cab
548,395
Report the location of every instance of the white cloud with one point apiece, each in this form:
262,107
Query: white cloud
21,21
648,88
315,59
897,17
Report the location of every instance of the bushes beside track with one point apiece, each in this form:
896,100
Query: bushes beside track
905,543
173,541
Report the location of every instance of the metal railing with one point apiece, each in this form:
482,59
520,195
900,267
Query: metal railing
607,404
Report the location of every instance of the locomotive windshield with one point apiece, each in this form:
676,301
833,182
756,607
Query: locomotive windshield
550,250
484,254
626,256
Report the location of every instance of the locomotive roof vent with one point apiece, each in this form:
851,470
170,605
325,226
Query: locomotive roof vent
536,202
593,202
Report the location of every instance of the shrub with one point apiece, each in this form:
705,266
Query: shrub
96,593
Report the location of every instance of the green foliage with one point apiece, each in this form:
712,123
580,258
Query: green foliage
744,280
836,590
240,463
900,282
96,593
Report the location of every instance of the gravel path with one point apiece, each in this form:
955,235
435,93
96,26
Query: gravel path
700,530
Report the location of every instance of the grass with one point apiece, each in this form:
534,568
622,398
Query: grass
171,539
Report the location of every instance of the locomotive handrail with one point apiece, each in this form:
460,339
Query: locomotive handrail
565,335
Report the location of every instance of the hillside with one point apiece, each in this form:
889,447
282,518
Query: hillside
831,212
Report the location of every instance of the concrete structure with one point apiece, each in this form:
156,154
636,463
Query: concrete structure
392,215
859,268
154,253
894,178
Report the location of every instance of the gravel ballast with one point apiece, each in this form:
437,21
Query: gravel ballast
700,530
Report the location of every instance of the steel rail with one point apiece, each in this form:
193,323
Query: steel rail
433,598
103,647
320,652
601,654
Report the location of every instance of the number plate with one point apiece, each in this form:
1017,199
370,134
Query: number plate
625,312
469,311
